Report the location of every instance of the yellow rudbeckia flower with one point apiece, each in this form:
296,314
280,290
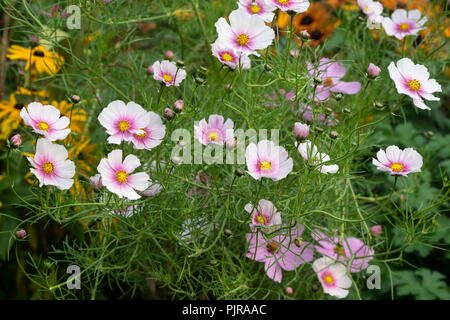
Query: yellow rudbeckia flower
39,59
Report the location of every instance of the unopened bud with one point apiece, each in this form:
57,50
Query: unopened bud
16,140
429,134
347,110
376,230
168,114
228,232
96,181
338,96
228,86
176,160
199,80
289,291
180,63
378,105
178,106
213,262
334,134
204,70
230,143
169,54
373,71
150,70
268,67
317,81
298,242
318,129
315,288
239,172
301,131
304,35
21,233
75,99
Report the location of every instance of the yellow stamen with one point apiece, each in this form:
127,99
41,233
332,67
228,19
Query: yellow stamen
404,26
242,39
227,57
261,219
397,167
272,247
43,126
167,78
265,165
48,167
328,82
121,176
328,279
283,2
142,135
213,136
124,125
255,8
339,250
414,85
367,9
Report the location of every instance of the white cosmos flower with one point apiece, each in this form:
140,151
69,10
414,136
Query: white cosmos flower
315,157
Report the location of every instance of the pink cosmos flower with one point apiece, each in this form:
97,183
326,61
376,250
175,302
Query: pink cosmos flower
96,181
50,165
292,5
371,9
117,177
265,215
262,8
397,161
343,252
414,80
230,56
152,190
333,277
168,73
331,73
267,160
285,251
403,23
214,131
316,158
245,33
46,121
122,121
151,135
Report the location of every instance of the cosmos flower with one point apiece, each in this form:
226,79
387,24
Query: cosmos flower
38,58
301,130
414,80
168,73
262,8
316,158
371,9
331,73
152,190
284,251
117,178
214,131
298,6
333,277
344,251
397,161
267,160
245,33
50,165
151,135
403,23
46,121
122,121
230,56
265,215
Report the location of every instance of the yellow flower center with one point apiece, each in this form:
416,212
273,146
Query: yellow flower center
43,126
404,26
265,165
414,85
283,2
167,78
397,167
121,176
255,8
242,39
124,125
48,167
213,136
328,82
328,279
366,9
227,57
272,247
339,250
142,135
261,219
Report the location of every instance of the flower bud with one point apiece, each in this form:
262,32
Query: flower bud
314,288
96,181
347,110
228,86
21,233
429,134
75,99
199,80
318,129
289,291
338,96
230,143
228,232
334,135
180,63
168,114
169,54
378,105
16,140
301,131
373,71
150,70
317,81
238,172
304,35
267,67
298,242
176,160
203,70
178,106
376,230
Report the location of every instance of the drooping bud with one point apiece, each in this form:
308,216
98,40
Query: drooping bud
168,114
16,140
301,131
178,106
